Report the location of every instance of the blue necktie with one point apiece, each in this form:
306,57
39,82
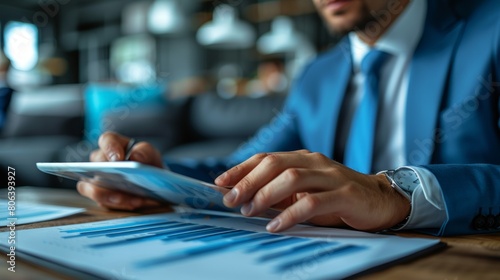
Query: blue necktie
359,147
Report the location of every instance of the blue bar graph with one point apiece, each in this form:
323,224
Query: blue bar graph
285,252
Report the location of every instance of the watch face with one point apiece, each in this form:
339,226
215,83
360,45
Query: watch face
406,179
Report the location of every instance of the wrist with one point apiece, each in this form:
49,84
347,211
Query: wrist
401,210
402,215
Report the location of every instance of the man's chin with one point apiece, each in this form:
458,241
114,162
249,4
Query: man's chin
341,27
346,20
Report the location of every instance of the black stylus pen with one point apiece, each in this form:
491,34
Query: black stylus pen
128,150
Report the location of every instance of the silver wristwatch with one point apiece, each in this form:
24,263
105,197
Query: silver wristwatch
404,180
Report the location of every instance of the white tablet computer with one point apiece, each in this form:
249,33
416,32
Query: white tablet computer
142,180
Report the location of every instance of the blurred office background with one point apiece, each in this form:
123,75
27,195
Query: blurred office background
194,77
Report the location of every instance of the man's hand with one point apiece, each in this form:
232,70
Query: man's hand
112,148
311,187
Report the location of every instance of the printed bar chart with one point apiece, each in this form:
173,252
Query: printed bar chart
197,243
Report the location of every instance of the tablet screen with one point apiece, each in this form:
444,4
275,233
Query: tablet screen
143,180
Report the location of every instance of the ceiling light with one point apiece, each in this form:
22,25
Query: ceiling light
226,31
166,16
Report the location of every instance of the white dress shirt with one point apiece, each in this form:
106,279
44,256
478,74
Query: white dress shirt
400,41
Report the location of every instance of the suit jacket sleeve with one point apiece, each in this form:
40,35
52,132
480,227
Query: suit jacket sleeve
469,191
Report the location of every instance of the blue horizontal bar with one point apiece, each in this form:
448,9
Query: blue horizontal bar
226,235
182,236
292,251
321,256
124,225
200,250
200,238
276,243
153,236
148,230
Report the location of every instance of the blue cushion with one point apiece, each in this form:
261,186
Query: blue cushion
101,99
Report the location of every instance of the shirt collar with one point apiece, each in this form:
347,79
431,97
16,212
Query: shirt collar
400,39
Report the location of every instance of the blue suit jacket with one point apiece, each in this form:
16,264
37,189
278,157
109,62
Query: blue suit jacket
453,111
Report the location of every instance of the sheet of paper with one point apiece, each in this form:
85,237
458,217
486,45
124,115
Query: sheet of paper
197,244
27,213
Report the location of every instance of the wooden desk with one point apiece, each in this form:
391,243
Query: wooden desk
467,257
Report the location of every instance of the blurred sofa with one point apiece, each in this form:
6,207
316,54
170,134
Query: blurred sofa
39,123
50,124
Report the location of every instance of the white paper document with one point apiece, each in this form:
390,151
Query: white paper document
27,213
198,244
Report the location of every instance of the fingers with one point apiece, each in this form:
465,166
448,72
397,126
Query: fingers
113,199
367,207
329,193
310,206
235,174
288,183
113,146
259,171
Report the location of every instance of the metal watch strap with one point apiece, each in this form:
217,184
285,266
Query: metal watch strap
388,174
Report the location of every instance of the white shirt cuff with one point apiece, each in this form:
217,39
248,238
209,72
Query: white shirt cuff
428,207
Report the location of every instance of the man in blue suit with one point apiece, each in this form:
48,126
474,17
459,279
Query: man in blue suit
397,127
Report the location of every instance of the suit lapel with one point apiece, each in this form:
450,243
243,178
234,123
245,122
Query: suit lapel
335,88
428,77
